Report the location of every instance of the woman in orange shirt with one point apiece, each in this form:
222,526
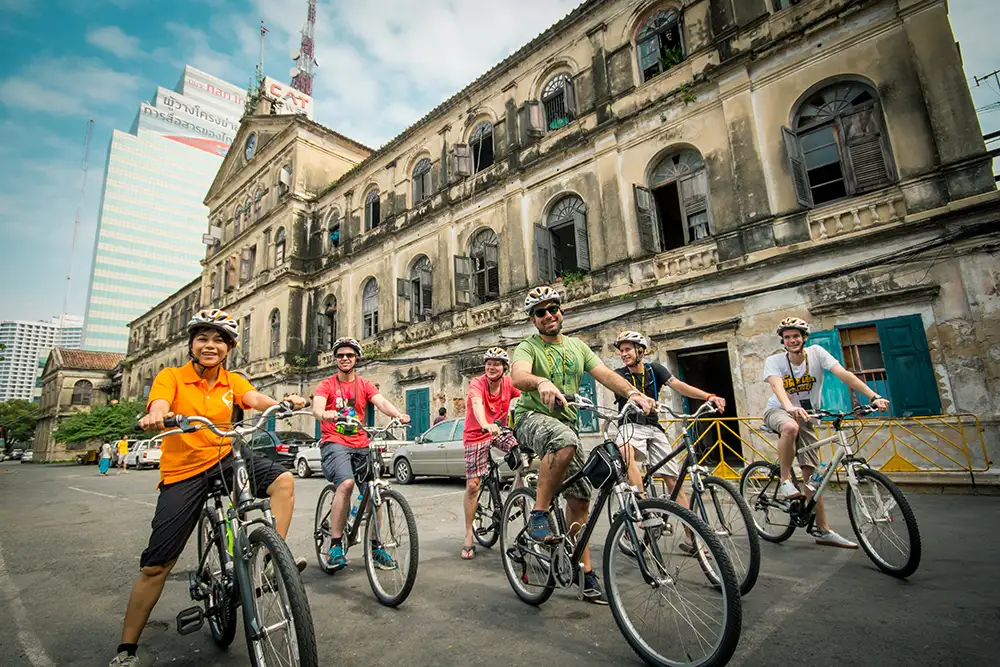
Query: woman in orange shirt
190,461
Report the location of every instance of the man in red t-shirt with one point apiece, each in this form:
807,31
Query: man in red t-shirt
343,445
488,401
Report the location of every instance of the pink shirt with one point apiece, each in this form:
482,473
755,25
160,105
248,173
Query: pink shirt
496,406
341,397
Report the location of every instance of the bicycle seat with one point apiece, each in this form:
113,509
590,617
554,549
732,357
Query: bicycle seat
216,487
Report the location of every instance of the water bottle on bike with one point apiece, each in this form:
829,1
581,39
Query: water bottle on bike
816,478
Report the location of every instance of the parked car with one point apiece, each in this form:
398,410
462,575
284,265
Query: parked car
439,451
308,460
93,456
281,446
143,454
16,454
28,456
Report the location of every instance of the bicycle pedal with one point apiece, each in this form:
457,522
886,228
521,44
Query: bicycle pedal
190,620
195,588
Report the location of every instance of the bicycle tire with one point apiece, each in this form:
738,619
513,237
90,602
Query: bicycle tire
321,528
746,573
222,622
516,511
782,531
732,602
913,559
392,599
489,535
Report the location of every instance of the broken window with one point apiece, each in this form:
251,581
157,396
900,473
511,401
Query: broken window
838,146
275,332
372,210
477,276
659,44
327,324
247,263
561,245
558,101
675,211
369,309
415,292
421,180
279,246
481,146
284,181
333,231
82,391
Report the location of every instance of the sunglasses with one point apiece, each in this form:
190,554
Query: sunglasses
542,312
346,355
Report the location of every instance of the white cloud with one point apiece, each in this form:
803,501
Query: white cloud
196,47
112,39
67,86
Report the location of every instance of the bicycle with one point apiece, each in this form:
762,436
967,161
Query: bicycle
728,513
240,569
489,502
650,582
867,506
396,533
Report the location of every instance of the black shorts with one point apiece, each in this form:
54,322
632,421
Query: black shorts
179,505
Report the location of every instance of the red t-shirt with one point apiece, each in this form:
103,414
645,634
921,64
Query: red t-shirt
495,407
341,397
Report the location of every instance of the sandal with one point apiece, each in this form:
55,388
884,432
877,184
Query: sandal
469,549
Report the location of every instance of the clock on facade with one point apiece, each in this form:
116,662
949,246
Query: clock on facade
250,147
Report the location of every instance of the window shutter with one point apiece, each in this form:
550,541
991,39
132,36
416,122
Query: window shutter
463,160
912,386
426,287
582,242
500,138
649,224
835,396
865,148
245,265
403,309
569,99
536,119
543,254
463,281
797,168
492,271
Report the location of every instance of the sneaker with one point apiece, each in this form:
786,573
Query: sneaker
788,490
539,528
337,559
832,539
592,592
123,659
383,561
687,548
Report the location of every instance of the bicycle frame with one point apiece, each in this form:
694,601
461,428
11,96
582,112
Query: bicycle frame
842,452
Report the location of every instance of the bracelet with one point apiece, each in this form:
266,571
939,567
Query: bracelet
634,391
543,381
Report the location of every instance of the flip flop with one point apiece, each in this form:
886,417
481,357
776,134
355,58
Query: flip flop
470,549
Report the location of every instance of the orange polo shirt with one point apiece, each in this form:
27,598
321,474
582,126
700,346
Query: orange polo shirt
188,454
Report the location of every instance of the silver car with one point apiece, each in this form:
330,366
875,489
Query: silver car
308,460
438,452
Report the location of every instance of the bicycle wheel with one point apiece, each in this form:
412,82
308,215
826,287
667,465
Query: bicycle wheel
220,605
884,523
672,615
288,638
321,533
726,513
486,523
391,549
758,486
526,564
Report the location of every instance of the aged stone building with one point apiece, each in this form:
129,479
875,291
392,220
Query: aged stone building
73,380
696,169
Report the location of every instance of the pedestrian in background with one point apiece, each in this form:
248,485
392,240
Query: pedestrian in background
122,453
105,458
442,415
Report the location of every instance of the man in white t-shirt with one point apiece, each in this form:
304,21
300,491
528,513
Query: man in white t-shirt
796,377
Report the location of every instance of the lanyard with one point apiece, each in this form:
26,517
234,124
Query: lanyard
552,365
791,371
634,384
340,392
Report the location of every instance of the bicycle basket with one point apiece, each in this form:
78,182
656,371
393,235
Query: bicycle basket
601,469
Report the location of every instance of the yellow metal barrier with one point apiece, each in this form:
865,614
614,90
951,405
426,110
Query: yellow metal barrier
938,443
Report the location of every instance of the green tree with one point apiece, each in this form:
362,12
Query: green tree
17,421
104,422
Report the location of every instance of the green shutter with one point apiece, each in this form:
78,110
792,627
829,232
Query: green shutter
586,421
418,406
912,385
271,421
835,397
319,432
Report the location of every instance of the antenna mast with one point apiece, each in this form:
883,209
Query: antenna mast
76,222
305,59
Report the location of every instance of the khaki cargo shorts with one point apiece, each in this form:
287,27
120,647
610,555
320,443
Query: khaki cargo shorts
546,435
775,418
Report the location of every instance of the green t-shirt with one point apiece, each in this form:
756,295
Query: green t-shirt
564,364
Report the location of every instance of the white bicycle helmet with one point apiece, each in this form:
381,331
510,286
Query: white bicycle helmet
497,354
540,295
347,341
793,323
633,337
220,320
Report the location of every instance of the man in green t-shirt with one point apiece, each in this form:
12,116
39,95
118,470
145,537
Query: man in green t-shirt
545,367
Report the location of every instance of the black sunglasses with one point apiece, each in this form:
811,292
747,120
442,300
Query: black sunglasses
346,355
542,312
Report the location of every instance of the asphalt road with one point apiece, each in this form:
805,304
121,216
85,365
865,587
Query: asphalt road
70,543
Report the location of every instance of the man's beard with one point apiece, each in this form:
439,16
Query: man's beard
556,328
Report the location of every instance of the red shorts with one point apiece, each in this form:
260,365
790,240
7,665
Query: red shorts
477,454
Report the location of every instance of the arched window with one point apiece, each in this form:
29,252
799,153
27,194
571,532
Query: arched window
237,220
212,288
477,276
258,198
415,292
373,215
561,245
677,210
285,180
558,101
279,246
481,146
82,391
369,309
421,181
838,146
326,324
333,231
275,332
659,44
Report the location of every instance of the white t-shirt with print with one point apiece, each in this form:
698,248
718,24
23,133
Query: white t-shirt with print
808,377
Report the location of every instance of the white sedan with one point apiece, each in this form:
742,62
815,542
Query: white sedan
143,455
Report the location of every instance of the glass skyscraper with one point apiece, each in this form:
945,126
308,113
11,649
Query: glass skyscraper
26,347
152,218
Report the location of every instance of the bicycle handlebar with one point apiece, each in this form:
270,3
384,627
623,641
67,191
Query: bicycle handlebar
706,408
189,424
857,411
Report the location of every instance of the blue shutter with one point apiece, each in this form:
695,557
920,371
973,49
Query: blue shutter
586,421
418,406
835,397
912,385
319,432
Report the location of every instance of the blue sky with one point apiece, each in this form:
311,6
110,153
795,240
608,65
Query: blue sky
383,64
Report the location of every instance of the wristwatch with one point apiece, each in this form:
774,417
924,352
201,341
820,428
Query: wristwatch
876,397
634,391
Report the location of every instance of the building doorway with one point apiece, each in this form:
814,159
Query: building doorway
708,368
